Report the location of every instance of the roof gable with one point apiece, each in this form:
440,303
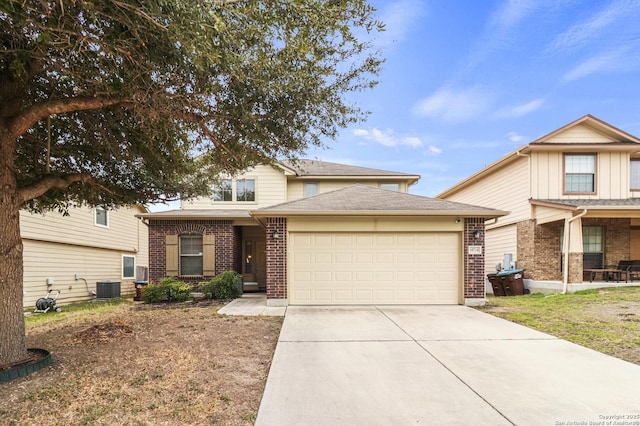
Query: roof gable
366,200
587,130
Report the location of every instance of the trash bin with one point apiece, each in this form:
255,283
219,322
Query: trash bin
139,285
496,284
512,281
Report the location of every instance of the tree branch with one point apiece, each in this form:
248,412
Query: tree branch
57,182
37,112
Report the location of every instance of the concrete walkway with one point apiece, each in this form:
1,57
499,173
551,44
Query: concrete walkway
437,365
251,304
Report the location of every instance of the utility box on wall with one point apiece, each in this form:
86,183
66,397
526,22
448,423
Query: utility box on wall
107,289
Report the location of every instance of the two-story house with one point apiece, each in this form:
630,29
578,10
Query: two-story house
572,197
73,253
316,232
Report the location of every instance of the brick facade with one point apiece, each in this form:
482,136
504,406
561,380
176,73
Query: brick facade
539,248
227,244
474,287
277,259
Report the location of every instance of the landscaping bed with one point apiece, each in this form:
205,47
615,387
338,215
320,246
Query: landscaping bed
144,364
606,320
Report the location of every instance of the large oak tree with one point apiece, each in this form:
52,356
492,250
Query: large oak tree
113,102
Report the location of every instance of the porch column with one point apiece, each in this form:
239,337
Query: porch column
277,261
572,250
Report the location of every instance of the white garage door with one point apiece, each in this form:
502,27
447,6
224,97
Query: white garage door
374,268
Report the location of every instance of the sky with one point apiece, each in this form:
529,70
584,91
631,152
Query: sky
466,82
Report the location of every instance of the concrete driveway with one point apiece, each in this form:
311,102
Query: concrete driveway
388,365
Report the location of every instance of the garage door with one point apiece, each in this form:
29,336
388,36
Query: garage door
374,268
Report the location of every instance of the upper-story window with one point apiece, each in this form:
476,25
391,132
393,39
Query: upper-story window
579,173
246,190
635,174
101,217
223,191
241,190
390,186
310,189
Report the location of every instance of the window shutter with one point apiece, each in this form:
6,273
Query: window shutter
208,255
171,262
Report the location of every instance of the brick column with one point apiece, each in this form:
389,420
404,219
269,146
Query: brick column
277,262
474,279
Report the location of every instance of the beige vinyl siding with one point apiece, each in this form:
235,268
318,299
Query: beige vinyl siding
295,188
544,214
612,176
61,262
579,134
123,233
498,242
271,188
506,189
58,247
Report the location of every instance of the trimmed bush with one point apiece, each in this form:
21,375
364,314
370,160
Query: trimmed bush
167,289
222,286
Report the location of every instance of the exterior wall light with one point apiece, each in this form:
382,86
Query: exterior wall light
476,234
275,235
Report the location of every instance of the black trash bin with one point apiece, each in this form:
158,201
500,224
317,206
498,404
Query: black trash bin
512,281
496,284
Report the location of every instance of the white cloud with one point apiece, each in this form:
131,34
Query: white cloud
433,150
520,110
612,61
583,33
387,138
453,105
515,137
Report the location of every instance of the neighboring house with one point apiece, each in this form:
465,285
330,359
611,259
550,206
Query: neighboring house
72,253
574,189
323,233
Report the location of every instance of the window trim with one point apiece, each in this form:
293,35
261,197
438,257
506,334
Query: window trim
381,186
234,191
564,173
180,255
106,217
306,194
134,267
631,187
218,185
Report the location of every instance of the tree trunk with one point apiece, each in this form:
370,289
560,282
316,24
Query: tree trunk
12,330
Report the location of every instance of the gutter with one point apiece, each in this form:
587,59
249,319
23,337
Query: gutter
567,235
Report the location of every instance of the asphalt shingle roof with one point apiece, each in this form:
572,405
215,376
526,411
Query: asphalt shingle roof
360,198
625,202
325,168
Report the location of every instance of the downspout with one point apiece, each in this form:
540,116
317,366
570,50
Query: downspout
567,239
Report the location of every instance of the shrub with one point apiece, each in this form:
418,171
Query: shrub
167,289
222,286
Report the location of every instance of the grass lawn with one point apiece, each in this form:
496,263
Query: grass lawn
606,320
126,364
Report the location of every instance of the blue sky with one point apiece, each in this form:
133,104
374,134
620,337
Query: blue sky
466,82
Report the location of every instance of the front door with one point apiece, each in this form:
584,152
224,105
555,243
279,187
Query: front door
635,244
254,263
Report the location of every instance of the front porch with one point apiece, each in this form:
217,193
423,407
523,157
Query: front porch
552,287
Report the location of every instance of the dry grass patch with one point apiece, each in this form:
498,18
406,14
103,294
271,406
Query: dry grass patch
145,365
606,320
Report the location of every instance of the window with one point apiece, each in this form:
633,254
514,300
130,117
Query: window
222,191
310,189
101,217
390,186
245,190
191,254
579,173
593,247
635,174
128,267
